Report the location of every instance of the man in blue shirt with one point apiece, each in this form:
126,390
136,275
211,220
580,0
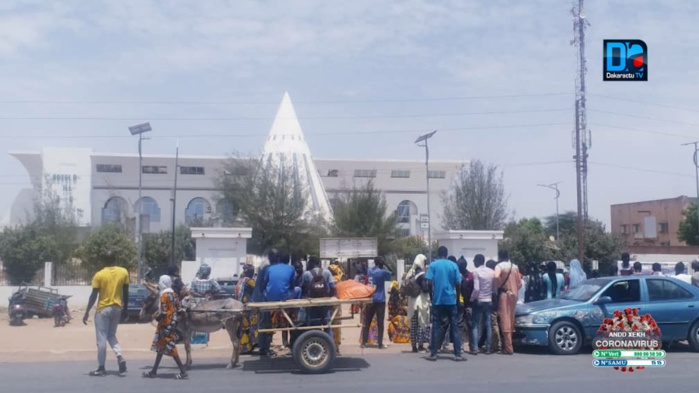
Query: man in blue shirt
378,275
445,280
281,281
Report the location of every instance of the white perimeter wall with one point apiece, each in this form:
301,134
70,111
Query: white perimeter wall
79,295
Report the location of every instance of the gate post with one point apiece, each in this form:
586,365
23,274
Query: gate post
48,274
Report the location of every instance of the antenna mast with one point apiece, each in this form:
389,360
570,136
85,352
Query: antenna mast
582,137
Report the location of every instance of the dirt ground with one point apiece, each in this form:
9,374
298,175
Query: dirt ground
39,340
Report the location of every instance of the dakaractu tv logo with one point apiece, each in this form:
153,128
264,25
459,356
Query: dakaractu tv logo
625,60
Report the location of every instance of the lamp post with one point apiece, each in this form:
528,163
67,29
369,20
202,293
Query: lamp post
424,139
554,186
696,174
174,203
139,130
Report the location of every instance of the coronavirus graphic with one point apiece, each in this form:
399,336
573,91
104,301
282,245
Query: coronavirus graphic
630,321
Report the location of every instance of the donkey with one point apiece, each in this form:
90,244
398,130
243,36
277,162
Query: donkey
207,322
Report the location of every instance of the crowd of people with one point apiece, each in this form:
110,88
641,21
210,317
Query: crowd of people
435,304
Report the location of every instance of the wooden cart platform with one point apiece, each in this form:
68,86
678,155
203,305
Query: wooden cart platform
313,350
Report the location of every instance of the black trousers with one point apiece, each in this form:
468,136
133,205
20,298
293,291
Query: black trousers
378,309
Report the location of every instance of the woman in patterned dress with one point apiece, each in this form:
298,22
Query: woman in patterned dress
166,333
338,275
243,292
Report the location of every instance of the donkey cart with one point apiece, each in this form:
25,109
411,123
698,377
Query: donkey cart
313,348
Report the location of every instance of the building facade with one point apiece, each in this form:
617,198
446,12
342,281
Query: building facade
104,188
650,223
112,181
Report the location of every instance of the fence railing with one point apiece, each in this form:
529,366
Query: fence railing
71,274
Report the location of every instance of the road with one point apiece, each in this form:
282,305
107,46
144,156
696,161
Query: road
405,372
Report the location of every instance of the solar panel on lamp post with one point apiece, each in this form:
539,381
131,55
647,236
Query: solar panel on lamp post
139,130
424,139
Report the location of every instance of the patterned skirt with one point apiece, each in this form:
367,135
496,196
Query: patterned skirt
418,336
399,330
248,339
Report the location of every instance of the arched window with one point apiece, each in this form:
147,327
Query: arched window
197,210
405,210
226,212
115,210
150,208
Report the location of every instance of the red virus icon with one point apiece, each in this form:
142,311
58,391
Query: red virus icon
630,321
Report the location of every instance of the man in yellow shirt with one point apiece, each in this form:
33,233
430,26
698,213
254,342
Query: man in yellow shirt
111,287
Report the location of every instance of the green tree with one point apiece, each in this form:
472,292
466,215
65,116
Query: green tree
526,241
56,219
157,247
273,202
407,248
599,244
567,222
104,239
23,251
688,232
477,201
361,211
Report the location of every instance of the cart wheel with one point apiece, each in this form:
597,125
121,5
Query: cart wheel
314,352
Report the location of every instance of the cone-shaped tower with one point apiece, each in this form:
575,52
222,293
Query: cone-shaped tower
286,146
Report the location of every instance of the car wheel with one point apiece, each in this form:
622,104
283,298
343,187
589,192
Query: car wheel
694,336
565,338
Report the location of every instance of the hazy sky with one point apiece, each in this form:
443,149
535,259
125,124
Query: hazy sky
367,77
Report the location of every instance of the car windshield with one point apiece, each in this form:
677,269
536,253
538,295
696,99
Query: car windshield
584,291
137,291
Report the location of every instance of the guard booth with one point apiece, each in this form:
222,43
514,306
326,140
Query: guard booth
352,252
224,249
470,243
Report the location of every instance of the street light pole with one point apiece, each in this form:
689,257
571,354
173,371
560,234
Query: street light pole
696,176
174,203
554,186
139,130
424,139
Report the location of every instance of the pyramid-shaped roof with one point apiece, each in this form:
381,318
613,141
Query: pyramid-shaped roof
286,145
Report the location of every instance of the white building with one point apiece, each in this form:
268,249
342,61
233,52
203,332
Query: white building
103,187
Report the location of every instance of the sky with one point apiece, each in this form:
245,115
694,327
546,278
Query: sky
496,78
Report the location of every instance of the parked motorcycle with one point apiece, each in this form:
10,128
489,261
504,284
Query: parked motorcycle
61,314
17,309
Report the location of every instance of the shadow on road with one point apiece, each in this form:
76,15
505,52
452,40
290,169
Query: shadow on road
285,365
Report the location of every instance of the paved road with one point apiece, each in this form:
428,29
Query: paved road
521,373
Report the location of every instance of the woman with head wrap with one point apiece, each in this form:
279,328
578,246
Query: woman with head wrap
399,325
419,306
553,281
166,333
203,285
243,292
577,274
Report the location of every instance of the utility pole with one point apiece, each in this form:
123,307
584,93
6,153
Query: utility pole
696,175
139,130
174,203
424,139
582,138
554,186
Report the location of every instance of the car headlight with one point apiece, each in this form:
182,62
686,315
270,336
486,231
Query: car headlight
524,320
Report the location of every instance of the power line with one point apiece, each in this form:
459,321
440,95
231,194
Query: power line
643,131
646,103
19,136
155,118
644,117
641,169
232,102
